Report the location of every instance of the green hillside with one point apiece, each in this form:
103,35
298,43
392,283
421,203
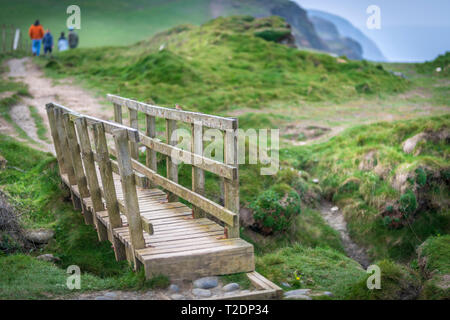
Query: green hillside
103,22
226,64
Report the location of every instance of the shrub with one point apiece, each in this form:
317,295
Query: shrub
275,209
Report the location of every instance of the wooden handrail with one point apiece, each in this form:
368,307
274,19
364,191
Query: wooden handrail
228,217
206,120
213,166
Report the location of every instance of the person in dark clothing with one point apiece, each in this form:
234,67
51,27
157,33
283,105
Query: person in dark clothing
73,39
47,41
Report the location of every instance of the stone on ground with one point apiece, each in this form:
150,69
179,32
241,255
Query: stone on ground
39,236
231,287
204,293
206,283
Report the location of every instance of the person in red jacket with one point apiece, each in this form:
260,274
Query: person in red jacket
36,34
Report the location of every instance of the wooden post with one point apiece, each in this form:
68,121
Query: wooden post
129,189
89,165
117,113
109,191
198,175
134,147
64,146
55,137
150,155
74,150
231,187
172,168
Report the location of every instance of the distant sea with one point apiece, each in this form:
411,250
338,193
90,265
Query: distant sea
410,43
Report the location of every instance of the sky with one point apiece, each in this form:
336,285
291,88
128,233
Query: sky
411,30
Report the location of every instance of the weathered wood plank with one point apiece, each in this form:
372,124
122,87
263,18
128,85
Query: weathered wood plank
109,191
172,168
64,146
74,151
55,137
207,120
205,204
151,159
198,175
109,126
197,160
129,188
134,147
231,187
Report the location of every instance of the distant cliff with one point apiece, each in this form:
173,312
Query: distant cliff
370,50
307,33
342,46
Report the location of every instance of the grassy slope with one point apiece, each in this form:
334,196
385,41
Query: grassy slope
106,22
223,66
364,194
37,197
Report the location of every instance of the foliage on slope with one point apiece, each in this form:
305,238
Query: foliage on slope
223,65
391,199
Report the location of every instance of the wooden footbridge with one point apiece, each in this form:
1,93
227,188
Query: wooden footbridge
137,209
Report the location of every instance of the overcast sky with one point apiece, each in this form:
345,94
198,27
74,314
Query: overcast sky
411,30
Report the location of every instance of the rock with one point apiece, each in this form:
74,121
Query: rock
201,292
111,295
174,288
296,292
334,209
206,283
39,236
246,217
410,144
298,297
231,287
438,69
328,293
102,298
285,284
177,296
316,181
48,257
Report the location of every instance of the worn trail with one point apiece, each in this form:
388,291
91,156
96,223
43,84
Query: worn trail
335,219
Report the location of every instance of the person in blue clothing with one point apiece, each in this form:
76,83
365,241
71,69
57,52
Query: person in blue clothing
63,44
47,41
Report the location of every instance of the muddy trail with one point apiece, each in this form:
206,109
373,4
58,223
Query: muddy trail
335,218
43,90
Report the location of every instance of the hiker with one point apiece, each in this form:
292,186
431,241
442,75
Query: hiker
36,33
47,41
63,45
73,38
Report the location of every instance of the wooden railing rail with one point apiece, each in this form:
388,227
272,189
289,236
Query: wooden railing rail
76,159
226,170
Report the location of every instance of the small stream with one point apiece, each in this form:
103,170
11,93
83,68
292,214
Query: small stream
336,220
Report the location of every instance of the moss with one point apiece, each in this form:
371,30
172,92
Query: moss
397,283
434,262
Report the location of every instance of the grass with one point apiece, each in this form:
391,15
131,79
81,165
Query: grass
106,22
222,66
320,269
34,191
39,122
434,262
365,192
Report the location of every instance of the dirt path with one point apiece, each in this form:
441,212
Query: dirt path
43,90
336,220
